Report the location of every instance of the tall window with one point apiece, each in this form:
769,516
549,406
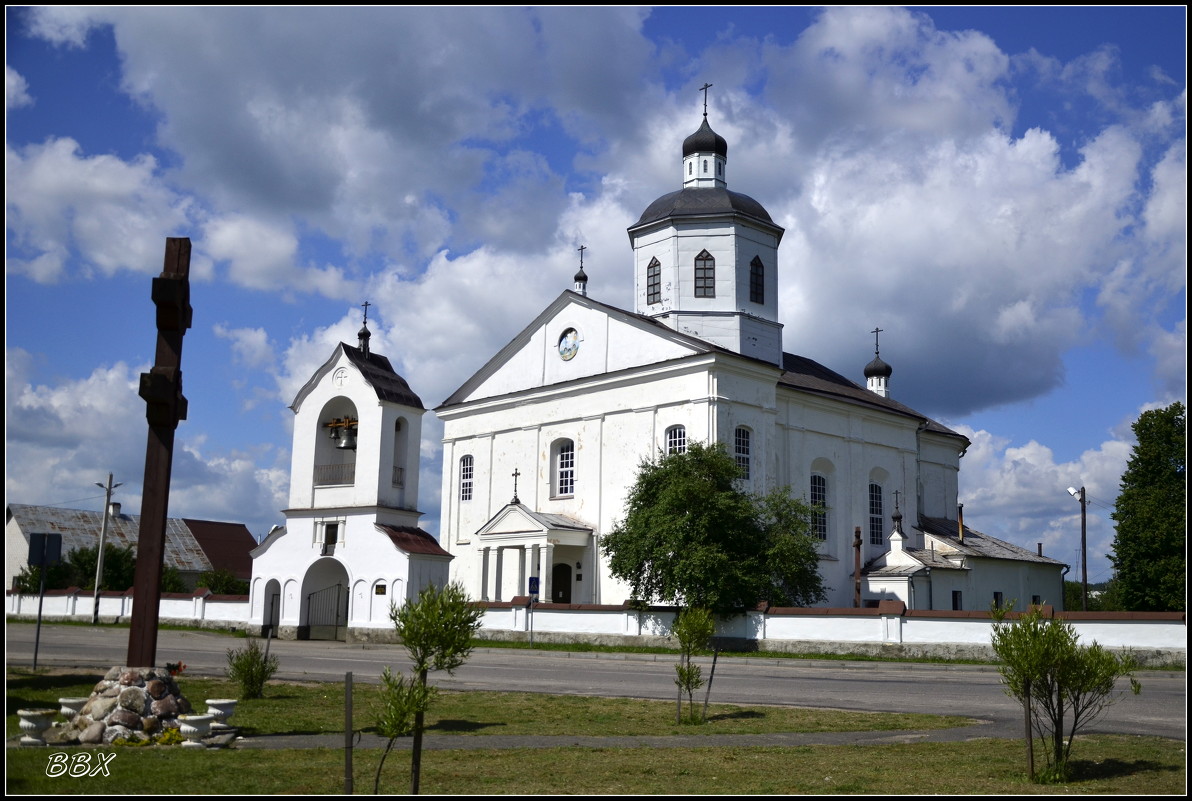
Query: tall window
676,440
705,275
757,281
465,478
877,520
564,467
957,601
654,282
819,500
741,450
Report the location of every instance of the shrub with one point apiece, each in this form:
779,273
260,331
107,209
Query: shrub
251,668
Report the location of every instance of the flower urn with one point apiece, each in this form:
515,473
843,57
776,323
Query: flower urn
194,728
34,723
222,709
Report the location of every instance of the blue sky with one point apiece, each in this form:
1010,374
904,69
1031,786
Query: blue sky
1003,190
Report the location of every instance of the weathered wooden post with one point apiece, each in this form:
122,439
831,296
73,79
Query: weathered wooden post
161,388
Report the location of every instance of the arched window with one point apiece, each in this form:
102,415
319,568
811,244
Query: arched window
757,281
705,166
719,168
465,478
676,440
653,282
741,443
705,275
563,452
690,164
877,518
819,501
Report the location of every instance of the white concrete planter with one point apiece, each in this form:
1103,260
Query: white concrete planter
70,707
222,709
34,723
194,728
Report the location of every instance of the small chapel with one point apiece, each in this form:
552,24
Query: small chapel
543,443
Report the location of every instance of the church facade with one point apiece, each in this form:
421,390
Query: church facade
542,444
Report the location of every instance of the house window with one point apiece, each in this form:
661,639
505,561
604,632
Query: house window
564,468
819,502
653,282
957,601
997,600
676,440
705,275
1036,600
329,536
757,281
465,478
741,450
877,520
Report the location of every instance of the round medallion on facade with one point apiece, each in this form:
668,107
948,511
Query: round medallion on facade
341,377
568,344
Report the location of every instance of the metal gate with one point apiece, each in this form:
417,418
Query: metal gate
327,613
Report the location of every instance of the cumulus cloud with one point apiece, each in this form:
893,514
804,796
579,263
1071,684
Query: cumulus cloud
65,207
16,90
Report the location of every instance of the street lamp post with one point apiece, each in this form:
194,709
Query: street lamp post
1084,554
103,534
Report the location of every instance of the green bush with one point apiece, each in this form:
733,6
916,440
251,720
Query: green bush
251,668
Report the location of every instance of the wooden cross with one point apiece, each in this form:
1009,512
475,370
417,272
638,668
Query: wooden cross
705,89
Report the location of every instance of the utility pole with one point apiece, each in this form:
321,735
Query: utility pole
1084,553
103,535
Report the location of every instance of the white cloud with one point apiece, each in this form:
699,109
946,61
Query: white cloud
64,207
250,346
16,90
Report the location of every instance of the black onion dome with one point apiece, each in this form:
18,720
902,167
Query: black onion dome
878,368
708,200
581,277
703,140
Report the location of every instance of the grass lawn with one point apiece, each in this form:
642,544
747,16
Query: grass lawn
1102,764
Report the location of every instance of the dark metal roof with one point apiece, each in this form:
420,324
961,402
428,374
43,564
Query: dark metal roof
705,140
704,201
227,545
877,367
378,372
810,376
184,549
978,544
413,540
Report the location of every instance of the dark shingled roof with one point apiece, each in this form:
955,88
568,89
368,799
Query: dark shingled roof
811,376
384,379
705,201
705,140
413,540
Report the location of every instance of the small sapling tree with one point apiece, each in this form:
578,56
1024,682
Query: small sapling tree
693,629
437,632
1056,679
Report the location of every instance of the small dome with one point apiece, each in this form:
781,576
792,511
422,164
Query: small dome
704,140
878,368
581,277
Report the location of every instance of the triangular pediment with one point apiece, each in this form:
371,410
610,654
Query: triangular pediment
518,524
573,339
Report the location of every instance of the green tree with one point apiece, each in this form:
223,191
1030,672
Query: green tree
77,569
691,536
693,629
1152,516
1056,679
437,631
222,582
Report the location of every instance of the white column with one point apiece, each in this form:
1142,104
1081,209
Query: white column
548,553
498,582
536,566
521,570
484,574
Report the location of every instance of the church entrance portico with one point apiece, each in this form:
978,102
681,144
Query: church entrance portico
519,544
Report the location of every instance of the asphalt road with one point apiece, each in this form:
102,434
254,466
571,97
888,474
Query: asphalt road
970,691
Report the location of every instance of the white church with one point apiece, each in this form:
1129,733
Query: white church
542,444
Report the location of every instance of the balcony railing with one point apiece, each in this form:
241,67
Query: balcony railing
399,476
331,474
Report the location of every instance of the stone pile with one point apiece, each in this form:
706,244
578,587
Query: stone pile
128,703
